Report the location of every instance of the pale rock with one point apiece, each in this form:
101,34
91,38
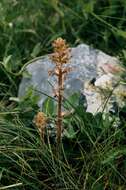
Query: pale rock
87,63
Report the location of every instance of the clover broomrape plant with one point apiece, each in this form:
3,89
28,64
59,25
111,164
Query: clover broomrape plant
60,58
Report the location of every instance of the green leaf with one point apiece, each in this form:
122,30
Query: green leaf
72,101
113,154
124,53
48,106
36,50
26,74
30,99
89,7
121,33
70,133
6,63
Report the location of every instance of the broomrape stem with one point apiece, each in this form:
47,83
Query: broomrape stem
59,115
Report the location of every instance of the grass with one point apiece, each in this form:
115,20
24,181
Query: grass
93,154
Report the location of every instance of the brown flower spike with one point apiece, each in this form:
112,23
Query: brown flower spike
40,121
60,58
61,52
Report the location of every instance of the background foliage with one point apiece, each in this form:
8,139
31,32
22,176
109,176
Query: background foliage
93,153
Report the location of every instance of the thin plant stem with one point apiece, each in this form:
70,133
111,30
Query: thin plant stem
59,111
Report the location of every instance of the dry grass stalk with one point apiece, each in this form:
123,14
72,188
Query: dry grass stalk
60,58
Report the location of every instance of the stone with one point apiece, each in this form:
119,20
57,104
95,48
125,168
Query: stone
88,64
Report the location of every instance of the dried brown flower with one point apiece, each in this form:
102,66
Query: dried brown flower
59,44
61,53
40,121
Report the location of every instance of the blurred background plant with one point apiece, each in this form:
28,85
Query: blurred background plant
93,151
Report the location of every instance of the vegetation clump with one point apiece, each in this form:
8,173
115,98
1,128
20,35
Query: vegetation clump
93,149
